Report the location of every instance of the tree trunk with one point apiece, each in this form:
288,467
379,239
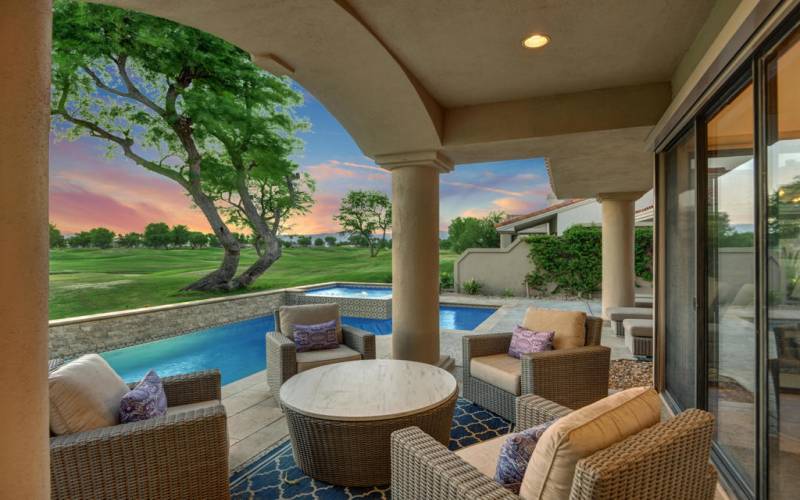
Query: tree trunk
221,278
272,249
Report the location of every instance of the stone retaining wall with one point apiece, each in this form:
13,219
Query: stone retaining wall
72,337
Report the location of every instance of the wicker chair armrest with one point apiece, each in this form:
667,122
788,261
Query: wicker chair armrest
474,346
570,377
193,387
424,468
281,360
667,460
534,410
189,450
360,340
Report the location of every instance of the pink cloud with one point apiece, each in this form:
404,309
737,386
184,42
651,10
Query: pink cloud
478,187
513,205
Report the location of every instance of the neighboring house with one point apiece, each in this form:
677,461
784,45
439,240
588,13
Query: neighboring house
502,270
562,215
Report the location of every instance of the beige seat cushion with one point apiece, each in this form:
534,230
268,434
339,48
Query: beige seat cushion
582,433
84,395
310,314
623,313
312,359
174,410
570,326
638,327
483,456
500,370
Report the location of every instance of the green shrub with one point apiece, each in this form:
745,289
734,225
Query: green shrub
507,293
573,261
445,280
471,287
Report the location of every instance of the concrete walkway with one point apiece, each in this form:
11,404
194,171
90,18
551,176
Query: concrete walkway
256,424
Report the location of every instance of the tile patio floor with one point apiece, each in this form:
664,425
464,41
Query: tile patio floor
255,423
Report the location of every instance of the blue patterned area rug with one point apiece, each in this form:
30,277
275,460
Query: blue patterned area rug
274,475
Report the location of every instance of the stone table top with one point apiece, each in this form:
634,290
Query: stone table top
373,389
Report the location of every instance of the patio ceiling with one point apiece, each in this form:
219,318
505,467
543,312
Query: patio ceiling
452,76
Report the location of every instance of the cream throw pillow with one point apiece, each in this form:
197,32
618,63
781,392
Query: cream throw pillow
582,433
84,395
309,314
570,326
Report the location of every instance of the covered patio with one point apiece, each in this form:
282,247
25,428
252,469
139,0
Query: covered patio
422,88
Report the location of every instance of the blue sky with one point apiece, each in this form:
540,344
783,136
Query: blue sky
88,190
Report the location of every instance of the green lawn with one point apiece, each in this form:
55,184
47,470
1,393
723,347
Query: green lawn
94,281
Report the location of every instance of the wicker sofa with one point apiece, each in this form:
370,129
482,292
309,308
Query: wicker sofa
668,460
183,454
283,360
570,377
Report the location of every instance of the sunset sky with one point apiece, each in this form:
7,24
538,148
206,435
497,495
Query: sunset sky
88,190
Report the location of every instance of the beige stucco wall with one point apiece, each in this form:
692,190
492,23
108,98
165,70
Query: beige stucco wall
497,269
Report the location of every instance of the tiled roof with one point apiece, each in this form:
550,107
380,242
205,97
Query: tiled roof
555,206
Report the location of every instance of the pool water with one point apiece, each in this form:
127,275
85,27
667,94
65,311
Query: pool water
239,349
352,292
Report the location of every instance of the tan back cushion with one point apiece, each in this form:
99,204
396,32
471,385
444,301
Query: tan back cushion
310,314
570,326
84,395
582,433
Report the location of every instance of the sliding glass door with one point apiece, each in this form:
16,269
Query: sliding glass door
783,266
680,213
730,285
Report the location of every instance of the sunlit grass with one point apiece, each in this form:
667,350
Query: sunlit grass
94,281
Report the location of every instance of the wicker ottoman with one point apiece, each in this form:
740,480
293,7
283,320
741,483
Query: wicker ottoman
639,336
341,416
619,314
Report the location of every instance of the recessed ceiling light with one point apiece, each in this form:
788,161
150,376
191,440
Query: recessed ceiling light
536,40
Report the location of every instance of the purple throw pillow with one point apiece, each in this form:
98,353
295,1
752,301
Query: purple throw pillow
515,454
146,400
316,337
524,341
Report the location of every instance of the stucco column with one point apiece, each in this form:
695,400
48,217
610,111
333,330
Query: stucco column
619,273
415,254
24,98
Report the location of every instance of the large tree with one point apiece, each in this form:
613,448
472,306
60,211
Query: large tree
366,215
473,232
56,238
180,103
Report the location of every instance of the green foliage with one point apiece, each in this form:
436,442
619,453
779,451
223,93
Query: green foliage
366,214
445,280
129,240
330,241
472,287
56,238
180,235
724,235
319,242
157,235
213,241
304,241
573,261
80,240
197,239
643,241
445,244
507,293
471,232
101,237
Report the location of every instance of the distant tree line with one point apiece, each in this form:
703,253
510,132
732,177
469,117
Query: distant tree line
155,235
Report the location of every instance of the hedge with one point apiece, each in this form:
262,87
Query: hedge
573,261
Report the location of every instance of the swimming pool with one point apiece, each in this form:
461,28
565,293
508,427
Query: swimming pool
352,292
238,349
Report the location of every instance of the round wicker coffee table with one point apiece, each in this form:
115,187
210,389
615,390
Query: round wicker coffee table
341,416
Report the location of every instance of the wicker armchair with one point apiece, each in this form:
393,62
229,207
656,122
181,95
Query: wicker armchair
668,460
282,361
570,377
183,454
